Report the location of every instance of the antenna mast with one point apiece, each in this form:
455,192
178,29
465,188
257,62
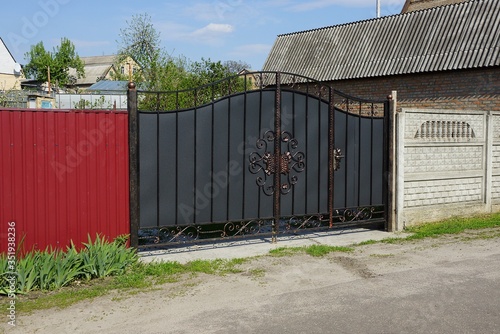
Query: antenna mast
378,8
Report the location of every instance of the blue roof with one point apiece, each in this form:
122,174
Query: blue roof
108,85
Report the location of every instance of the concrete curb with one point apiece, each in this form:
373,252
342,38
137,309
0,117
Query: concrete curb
262,246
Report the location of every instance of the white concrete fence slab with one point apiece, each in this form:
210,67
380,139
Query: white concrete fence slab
447,164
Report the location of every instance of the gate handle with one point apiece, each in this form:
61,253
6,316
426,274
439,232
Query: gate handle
337,156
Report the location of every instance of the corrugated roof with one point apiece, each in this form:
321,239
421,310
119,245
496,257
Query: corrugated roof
108,85
458,36
100,60
93,73
96,68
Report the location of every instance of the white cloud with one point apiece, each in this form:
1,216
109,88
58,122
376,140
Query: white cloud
213,28
211,34
318,4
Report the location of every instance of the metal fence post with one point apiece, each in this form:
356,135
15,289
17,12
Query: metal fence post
277,159
390,117
331,144
133,144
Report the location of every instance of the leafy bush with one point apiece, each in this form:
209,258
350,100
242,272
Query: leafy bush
54,269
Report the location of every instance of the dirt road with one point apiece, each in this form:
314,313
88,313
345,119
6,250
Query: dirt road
445,285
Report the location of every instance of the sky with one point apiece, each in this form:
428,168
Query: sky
241,30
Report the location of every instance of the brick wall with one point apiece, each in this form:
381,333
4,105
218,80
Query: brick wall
473,89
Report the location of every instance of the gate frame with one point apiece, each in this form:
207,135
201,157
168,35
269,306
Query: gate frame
388,192
133,144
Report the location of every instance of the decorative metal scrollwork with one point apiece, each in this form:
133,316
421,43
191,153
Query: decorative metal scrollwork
178,234
355,214
252,227
295,224
290,162
337,156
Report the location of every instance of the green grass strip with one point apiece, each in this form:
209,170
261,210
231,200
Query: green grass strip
313,250
453,226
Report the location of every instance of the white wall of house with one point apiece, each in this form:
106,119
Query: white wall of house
10,71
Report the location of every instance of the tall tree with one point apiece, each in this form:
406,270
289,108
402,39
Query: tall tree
235,67
141,41
60,60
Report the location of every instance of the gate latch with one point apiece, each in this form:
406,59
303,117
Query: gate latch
337,156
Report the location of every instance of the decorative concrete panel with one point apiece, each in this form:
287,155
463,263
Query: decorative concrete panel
496,126
444,127
495,158
495,187
444,191
419,159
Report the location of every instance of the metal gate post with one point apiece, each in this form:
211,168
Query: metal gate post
331,144
389,117
133,146
277,159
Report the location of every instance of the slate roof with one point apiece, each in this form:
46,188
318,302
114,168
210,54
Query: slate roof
109,85
458,36
99,60
95,68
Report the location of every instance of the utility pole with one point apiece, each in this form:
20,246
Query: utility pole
378,8
48,77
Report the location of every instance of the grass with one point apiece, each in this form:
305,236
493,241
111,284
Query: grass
313,250
139,277
453,226
257,273
145,276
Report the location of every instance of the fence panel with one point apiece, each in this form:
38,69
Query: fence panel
63,176
445,164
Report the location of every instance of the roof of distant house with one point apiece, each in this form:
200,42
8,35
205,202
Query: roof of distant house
459,36
99,60
96,68
108,85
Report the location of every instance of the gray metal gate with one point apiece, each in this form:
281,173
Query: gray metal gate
266,153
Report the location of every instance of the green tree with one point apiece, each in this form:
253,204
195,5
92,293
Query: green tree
189,84
60,60
141,41
235,66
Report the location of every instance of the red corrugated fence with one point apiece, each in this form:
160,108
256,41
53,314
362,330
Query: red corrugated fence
63,176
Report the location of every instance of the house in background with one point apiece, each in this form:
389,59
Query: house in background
109,86
444,57
10,70
100,68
